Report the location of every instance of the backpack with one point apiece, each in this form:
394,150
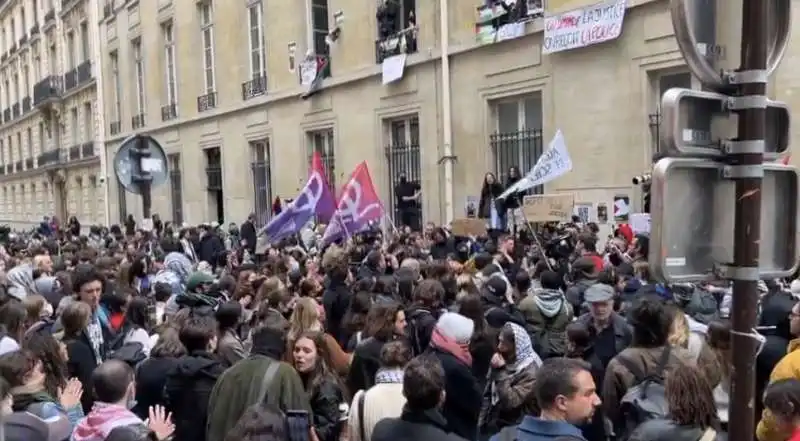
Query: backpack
131,353
552,342
646,399
415,337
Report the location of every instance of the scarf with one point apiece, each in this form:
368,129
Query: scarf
452,347
549,301
102,419
384,376
525,356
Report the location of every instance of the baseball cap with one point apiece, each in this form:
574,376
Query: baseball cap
599,292
496,286
199,278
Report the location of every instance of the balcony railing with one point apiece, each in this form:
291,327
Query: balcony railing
87,149
2,170
15,110
75,153
50,16
18,166
84,72
26,105
395,44
47,90
115,127
108,9
70,80
12,49
7,115
207,101
169,111
50,157
35,29
29,164
255,87
4,57
214,178
23,40
137,121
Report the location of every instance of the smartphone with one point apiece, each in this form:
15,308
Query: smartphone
299,424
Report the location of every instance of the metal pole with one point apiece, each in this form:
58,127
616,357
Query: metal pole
747,230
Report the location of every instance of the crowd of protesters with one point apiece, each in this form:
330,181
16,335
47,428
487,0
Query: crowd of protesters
201,334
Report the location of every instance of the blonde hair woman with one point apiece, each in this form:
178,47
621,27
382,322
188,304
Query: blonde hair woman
308,317
680,336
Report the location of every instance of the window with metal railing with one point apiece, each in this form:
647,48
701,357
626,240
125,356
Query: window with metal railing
322,141
261,167
213,169
517,139
403,159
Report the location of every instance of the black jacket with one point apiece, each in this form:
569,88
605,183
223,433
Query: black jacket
667,430
151,378
248,233
336,300
365,364
81,364
188,389
462,404
325,400
414,425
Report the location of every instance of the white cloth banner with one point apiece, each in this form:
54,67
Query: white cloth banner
583,27
554,162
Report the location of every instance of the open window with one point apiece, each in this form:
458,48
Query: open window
397,28
499,20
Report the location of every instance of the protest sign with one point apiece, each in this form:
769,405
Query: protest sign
548,207
640,222
583,27
468,227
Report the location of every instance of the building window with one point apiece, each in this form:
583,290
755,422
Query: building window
19,146
662,82
71,50
74,128
319,26
262,180
207,28
322,141
37,63
13,32
176,188
88,121
22,20
116,92
256,25
30,142
26,84
169,62
517,140
16,89
86,49
42,142
139,76
403,157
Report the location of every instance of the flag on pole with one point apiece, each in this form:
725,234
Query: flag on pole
358,207
314,199
553,163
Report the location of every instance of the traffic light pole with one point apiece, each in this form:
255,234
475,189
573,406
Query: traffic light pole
747,220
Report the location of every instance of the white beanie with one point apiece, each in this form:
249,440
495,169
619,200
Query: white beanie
455,326
795,287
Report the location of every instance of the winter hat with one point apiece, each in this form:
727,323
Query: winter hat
456,327
795,287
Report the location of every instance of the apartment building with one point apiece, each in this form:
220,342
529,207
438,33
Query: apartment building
48,162
241,95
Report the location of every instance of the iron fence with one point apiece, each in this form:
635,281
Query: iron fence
519,149
262,188
403,159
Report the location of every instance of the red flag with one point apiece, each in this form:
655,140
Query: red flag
358,205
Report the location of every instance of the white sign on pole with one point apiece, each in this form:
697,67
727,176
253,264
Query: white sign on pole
554,162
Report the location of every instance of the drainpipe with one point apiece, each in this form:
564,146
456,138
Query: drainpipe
99,128
447,118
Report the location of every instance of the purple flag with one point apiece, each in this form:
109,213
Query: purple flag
314,199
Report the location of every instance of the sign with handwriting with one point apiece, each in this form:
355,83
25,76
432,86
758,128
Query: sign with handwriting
548,207
468,227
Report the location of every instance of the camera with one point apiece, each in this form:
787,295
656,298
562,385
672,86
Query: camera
642,179
559,247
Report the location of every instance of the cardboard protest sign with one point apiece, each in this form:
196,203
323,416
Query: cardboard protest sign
468,227
548,207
